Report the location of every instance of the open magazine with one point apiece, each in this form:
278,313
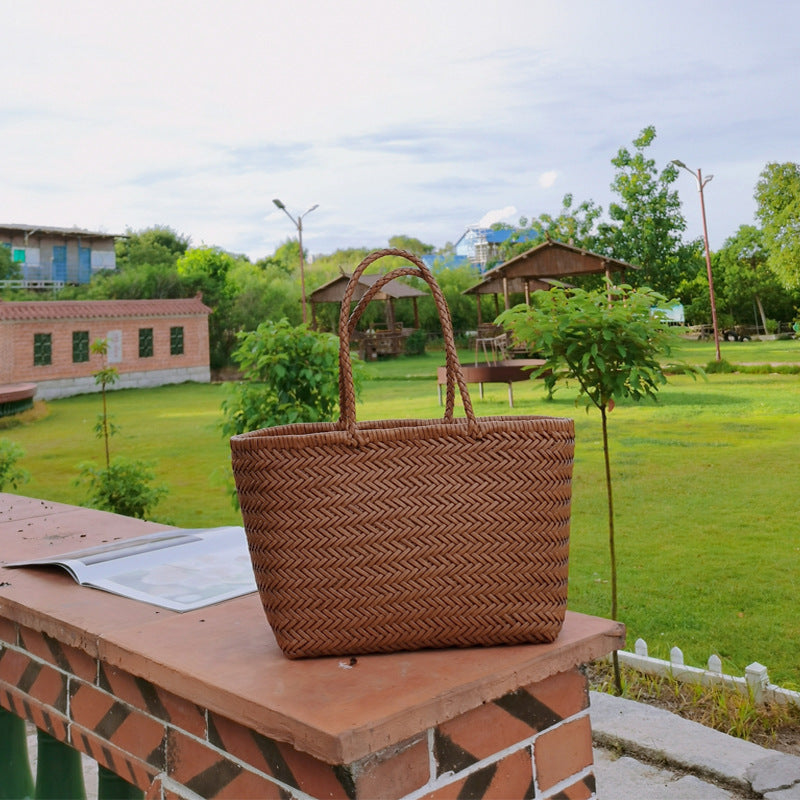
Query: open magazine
179,569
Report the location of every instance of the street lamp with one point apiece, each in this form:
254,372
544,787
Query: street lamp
299,225
698,176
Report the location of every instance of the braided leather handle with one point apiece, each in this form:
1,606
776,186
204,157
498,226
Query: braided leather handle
347,324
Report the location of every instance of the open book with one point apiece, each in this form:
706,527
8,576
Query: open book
180,569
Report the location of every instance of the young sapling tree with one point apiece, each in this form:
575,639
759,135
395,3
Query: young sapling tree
609,341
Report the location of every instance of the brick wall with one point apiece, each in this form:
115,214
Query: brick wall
532,743
17,347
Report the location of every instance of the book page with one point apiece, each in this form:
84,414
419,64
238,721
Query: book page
178,569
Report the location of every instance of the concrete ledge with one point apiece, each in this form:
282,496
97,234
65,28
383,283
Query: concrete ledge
661,737
67,387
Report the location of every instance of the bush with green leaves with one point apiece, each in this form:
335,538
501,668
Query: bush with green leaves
11,475
611,343
125,487
415,342
290,375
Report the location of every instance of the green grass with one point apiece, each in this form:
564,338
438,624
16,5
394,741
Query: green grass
708,529
786,351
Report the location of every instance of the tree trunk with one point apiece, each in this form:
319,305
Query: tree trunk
761,312
611,544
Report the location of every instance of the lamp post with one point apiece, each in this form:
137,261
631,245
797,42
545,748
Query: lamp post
299,225
698,176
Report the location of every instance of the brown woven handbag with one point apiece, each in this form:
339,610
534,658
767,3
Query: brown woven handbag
392,535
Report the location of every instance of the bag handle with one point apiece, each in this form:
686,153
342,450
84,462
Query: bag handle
347,324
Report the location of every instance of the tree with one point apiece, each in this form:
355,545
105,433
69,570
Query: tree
11,475
647,224
290,375
745,286
9,270
123,486
777,194
574,225
610,346
156,246
206,270
411,244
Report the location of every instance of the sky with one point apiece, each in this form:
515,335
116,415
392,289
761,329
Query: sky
416,117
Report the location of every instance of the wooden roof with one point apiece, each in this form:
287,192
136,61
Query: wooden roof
333,291
549,260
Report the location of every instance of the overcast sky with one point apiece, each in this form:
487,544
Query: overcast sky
413,117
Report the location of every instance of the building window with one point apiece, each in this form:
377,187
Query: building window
42,349
145,342
80,346
176,341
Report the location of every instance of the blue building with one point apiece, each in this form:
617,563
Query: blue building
50,257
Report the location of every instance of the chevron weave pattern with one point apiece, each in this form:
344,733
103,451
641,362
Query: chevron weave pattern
405,534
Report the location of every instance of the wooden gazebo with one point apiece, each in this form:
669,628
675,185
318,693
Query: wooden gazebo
381,342
538,268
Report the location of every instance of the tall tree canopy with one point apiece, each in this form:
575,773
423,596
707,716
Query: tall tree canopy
573,224
647,223
778,196
747,290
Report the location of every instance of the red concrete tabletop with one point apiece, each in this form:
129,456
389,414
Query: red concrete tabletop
225,658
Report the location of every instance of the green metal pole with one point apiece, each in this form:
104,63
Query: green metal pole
15,769
59,772
111,787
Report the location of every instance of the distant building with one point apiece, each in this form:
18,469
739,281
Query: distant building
150,342
52,257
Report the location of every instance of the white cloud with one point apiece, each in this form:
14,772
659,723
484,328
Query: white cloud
547,179
506,214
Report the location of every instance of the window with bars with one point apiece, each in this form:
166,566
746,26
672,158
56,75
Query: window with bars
145,342
80,346
176,340
42,349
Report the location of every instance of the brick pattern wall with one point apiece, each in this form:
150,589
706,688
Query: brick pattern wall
533,743
16,347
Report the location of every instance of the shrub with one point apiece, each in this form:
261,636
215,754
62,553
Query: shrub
124,487
11,476
415,343
290,375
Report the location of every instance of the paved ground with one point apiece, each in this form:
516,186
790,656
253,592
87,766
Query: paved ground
647,753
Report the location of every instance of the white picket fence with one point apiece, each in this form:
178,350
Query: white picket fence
755,680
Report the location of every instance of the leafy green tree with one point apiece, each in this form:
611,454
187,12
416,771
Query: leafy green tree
573,224
11,474
262,294
647,223
123,486
463,307
290,375
104,377
159,246
744,283
411,244
9,271
206,270
777,194
611,347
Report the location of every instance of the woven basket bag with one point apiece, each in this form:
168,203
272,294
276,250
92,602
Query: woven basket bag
391,535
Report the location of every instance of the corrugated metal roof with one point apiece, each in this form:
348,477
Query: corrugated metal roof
100,309
51,230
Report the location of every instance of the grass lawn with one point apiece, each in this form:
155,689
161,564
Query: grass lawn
708,527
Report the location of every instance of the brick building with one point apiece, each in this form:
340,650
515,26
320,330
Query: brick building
150,342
